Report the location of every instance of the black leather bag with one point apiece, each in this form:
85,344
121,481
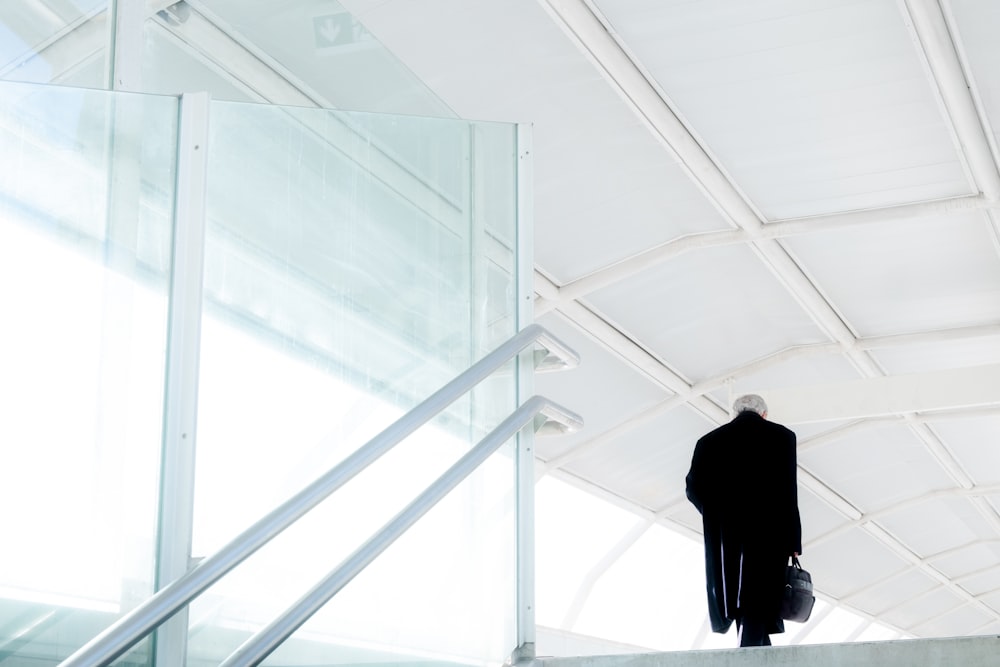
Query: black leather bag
798,600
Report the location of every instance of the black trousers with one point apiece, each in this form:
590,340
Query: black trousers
752,632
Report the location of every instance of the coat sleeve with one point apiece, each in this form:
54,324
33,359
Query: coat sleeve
795,521
695,480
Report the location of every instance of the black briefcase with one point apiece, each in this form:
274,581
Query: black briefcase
798,600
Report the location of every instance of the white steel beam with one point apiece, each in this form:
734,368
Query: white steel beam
683,392
177,468
647,259
126,43
931,33
247,67
524,489
879,396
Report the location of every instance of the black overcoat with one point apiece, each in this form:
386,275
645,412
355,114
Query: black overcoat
743,481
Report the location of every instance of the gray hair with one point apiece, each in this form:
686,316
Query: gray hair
751,402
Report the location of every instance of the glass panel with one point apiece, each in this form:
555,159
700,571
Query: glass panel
296,52
85,198
54,41
355,263
172,65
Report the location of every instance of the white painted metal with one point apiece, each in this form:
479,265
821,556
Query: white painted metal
177,471
259,75
127,40
524,623
880,396
935,39
773,230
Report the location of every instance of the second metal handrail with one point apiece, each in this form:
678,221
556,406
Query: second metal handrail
139,622
265,641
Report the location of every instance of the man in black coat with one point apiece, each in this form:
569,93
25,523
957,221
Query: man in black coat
743,481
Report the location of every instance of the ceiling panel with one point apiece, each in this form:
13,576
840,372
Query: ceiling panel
684,310
944,275
974,443
884,595
818,518
922,608
937,525
876,467
850,562
968,559
993,600
964,620
810,107
963,353
981,583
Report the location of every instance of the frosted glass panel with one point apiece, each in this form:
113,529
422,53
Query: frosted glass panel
83,249
355,263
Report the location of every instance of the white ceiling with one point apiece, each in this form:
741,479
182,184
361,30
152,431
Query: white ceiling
794,197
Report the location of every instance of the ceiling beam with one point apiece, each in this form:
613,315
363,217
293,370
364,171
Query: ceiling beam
875,397
930,31
869,422
683,392
653,257
261,77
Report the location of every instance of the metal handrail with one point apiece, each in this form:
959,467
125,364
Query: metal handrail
265,641
139,622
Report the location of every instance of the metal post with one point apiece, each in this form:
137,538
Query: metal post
125,44
176,513
525,465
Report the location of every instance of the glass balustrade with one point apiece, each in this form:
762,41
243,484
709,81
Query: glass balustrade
353,264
